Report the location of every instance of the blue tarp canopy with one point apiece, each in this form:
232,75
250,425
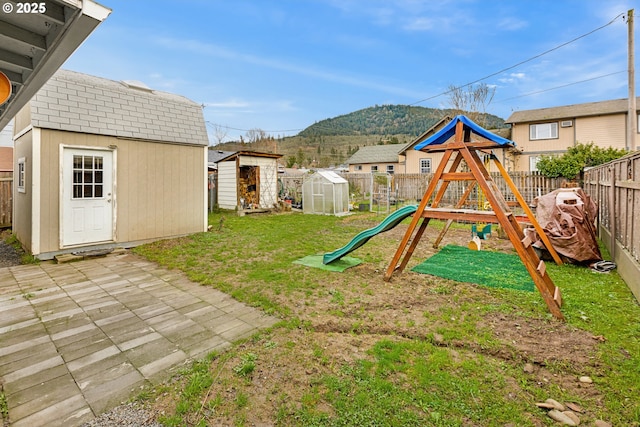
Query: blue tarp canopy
450,129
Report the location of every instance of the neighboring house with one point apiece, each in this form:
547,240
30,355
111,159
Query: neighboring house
414,161
6,162
248,180
6,179
553,130
376,158
101,163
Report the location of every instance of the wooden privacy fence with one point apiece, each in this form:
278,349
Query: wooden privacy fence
615,187
6,205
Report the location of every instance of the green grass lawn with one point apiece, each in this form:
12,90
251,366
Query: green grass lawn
354,350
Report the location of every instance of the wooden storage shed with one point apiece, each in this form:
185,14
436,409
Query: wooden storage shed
101,163
248,180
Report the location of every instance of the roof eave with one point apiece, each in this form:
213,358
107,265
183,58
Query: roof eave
76,29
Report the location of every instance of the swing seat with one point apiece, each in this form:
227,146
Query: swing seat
483,233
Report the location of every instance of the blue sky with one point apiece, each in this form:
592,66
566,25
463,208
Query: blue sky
282,65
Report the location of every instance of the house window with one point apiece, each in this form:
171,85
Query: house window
425,165
390,168
543,131
357,167
21,175
88,177
374,168
533,163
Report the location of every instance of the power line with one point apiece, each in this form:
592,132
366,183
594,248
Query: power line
247,130
561,86
521,62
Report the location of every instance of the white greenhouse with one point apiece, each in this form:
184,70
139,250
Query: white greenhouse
325,193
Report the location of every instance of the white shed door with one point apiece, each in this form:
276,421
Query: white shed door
87,196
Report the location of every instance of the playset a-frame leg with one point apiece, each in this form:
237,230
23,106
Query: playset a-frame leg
465,150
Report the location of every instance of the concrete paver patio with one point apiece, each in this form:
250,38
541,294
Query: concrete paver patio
77,339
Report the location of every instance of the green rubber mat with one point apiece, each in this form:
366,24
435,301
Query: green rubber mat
495,269
339,265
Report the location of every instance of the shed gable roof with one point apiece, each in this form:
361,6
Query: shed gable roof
79,102
571,111
376,154
232,155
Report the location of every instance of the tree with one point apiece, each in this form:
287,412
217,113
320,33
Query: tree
219,133
300,157
571,164
471,100
255,135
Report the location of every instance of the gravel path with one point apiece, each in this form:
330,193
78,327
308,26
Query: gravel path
127,415
8,255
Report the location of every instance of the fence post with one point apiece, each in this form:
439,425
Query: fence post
612,219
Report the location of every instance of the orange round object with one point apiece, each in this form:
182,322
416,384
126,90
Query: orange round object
5,88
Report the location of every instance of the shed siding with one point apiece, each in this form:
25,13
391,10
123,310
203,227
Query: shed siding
158,187
227,185
22,202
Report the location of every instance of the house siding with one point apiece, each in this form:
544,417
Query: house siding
382,167
603,131
412,163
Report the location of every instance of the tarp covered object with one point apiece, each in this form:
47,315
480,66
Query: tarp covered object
567,217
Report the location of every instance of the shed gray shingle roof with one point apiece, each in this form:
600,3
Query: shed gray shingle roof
79,102
376,154
571,111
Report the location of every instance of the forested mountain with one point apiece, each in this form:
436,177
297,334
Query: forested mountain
332,141
391,120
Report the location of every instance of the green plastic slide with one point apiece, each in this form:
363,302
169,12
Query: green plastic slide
363,237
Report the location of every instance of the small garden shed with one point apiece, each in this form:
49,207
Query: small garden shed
102,163
325,192
248,180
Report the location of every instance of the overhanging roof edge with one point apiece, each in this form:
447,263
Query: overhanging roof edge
80,25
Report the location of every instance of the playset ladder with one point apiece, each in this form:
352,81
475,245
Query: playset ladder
501,213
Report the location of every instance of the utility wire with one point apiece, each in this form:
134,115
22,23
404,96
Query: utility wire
247,130
521,62
559,87
482,78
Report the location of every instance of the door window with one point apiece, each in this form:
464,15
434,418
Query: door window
88,177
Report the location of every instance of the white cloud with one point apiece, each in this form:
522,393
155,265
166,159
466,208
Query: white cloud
512,78
231,103
420,24
311,71
512,24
